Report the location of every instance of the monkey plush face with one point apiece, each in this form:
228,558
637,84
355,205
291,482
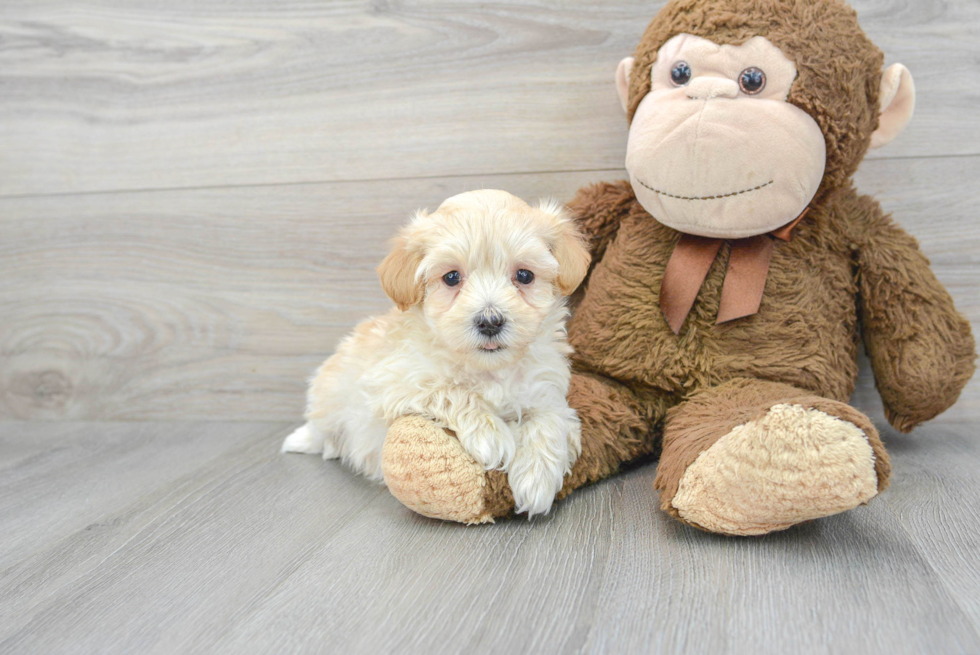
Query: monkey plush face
714,148
744,112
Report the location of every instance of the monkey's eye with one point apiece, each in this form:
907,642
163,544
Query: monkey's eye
451,278
751,81
524,276
680,74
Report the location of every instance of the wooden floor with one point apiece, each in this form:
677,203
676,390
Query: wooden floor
193,197
175,537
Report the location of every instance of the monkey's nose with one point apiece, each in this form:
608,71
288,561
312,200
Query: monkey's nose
490,323
704,88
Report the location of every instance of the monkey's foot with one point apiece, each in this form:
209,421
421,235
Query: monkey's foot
429,472
795,462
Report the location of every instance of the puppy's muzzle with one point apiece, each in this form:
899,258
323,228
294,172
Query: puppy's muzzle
489,323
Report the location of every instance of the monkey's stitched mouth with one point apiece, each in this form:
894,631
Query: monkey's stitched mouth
724,195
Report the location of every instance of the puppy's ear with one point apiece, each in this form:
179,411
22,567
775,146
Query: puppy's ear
568,248
398,271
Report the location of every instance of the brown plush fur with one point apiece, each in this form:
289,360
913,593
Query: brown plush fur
498,500
696,424
620,427
921,348
849,273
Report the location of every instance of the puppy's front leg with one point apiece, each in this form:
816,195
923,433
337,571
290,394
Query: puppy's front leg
483,434
549,442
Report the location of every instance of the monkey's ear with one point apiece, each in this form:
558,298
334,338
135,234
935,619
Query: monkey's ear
398,272
897,101
568,248
623,81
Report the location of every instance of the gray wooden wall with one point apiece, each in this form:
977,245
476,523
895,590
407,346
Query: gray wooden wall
194,193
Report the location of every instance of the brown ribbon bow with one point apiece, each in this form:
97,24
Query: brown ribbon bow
745,279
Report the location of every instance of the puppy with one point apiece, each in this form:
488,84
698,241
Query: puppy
476,343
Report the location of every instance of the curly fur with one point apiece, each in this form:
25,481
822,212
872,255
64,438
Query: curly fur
503,394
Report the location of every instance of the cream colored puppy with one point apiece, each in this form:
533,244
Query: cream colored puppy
476,343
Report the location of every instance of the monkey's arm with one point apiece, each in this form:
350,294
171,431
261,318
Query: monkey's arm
921,348
598,210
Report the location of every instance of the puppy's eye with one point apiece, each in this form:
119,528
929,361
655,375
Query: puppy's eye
751,81
451,278
524,276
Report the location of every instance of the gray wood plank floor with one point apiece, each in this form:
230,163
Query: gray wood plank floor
193,196
175,537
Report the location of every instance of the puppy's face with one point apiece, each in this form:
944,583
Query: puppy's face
487,270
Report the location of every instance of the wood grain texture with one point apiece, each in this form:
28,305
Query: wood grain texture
228,550
202,304
218,303
250,551
118,94
937,498
193,197
111,462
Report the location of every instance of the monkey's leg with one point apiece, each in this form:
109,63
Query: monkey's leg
429,472
750,457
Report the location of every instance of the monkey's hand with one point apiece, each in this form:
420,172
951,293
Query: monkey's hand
921,348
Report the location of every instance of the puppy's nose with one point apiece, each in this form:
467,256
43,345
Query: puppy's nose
489,323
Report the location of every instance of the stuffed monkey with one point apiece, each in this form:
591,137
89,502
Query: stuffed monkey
734,275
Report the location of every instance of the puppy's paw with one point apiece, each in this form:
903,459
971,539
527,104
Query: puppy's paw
535,479
330,449
307,439
490,441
